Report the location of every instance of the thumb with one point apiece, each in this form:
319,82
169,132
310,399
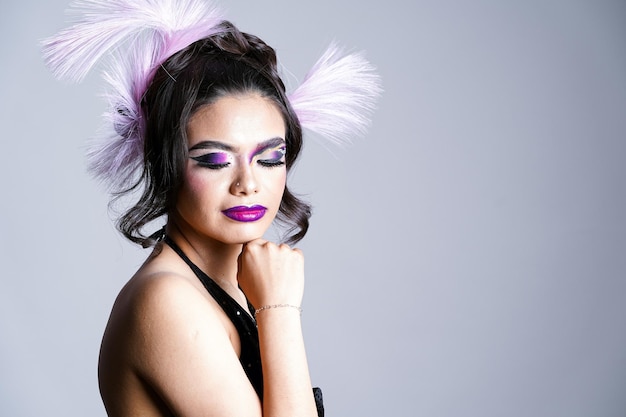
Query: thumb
240,259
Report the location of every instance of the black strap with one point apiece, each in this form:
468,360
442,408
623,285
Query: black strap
244,323
230,306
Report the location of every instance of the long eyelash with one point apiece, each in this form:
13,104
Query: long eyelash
209,165
213,166
270,164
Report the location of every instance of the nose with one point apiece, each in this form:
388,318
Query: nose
244,183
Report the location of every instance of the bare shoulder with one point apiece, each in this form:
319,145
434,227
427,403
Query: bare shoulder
166,335
156,298
153,306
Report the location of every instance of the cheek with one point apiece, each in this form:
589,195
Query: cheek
194,183
277,185
283,179
197,188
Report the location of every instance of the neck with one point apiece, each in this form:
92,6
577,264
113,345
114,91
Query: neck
217,259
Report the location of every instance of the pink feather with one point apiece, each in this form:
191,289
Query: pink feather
136,36
107,24
337,96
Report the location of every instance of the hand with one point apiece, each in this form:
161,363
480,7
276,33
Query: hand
271,274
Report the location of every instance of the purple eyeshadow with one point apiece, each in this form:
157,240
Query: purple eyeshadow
270,151
266,155
275,155
215,158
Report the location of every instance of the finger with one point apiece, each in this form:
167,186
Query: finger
239,258
257,242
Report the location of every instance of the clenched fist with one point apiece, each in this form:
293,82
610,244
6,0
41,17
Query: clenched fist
271,274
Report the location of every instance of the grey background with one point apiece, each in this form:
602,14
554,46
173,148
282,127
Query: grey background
466,258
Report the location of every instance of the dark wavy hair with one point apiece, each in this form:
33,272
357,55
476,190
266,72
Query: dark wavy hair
228,63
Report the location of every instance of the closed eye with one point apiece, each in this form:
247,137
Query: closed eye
272,157
213,160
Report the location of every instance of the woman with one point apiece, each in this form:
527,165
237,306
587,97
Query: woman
168,336
210,323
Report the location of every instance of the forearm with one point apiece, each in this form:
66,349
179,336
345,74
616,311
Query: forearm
286,380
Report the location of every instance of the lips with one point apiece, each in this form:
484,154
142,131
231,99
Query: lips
245,213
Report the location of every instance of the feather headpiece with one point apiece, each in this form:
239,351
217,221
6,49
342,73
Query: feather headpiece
135,37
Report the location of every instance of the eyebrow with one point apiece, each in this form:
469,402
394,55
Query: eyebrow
261,147
212,144
268,144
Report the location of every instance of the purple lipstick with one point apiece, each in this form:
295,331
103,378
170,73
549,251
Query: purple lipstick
245,213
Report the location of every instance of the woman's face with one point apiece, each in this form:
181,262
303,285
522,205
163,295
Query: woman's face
235,175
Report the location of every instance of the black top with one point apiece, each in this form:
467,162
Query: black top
245,324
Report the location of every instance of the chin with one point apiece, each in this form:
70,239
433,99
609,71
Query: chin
243,234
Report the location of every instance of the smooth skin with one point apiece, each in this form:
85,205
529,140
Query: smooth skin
168,348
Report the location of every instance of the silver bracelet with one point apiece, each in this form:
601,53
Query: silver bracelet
266,307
